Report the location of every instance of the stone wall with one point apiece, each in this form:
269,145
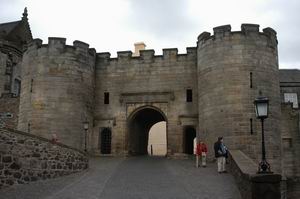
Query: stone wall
158,81
293,187
291,148
233,69
9,110
25,158
251,184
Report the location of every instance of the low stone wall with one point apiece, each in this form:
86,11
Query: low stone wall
250,184
25,158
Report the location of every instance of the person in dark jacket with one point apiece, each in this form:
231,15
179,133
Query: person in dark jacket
220,154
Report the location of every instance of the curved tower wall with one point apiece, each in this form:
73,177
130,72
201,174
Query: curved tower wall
233,69
57,90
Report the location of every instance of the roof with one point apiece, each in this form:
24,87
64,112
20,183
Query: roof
289,75
6,28
17,31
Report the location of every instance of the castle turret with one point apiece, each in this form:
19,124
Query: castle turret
233,69
57,90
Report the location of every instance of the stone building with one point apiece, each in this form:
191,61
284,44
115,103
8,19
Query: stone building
207,92
14,37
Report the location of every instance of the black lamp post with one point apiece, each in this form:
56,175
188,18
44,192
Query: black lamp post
261,110
86,127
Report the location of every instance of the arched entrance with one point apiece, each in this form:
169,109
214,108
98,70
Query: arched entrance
188,139
139,124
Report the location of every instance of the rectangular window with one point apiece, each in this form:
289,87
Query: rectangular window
17,87
189,95
106,97
291,97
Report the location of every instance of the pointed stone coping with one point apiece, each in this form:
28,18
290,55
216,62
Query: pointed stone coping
246,164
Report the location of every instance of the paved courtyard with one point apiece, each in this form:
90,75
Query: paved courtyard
133,178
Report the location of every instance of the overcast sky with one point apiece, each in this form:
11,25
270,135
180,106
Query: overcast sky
114,25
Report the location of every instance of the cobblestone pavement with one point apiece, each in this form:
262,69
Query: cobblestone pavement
133,178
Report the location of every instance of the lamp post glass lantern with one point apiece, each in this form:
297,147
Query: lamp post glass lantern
261,107
261,110
86,127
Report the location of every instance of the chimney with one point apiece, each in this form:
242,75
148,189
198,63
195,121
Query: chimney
137,47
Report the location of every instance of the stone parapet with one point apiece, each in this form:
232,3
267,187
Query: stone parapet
251,184
146,56
57,47
25,158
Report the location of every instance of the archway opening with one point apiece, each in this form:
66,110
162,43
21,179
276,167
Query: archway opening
188,140
139,125
157,144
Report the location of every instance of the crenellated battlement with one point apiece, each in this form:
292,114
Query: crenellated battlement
56,42
250,28
169,54
147,54
247,30
36,43
57,46
124,55
222,31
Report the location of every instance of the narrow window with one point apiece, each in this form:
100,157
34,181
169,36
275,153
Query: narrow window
189,95
251,126
28,128
250,79
31,84
106,97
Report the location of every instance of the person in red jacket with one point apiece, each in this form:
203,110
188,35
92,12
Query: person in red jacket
203,152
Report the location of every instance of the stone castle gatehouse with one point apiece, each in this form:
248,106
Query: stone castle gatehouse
208,92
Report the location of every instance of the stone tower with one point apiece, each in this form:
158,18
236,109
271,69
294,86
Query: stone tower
57,90
233,69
